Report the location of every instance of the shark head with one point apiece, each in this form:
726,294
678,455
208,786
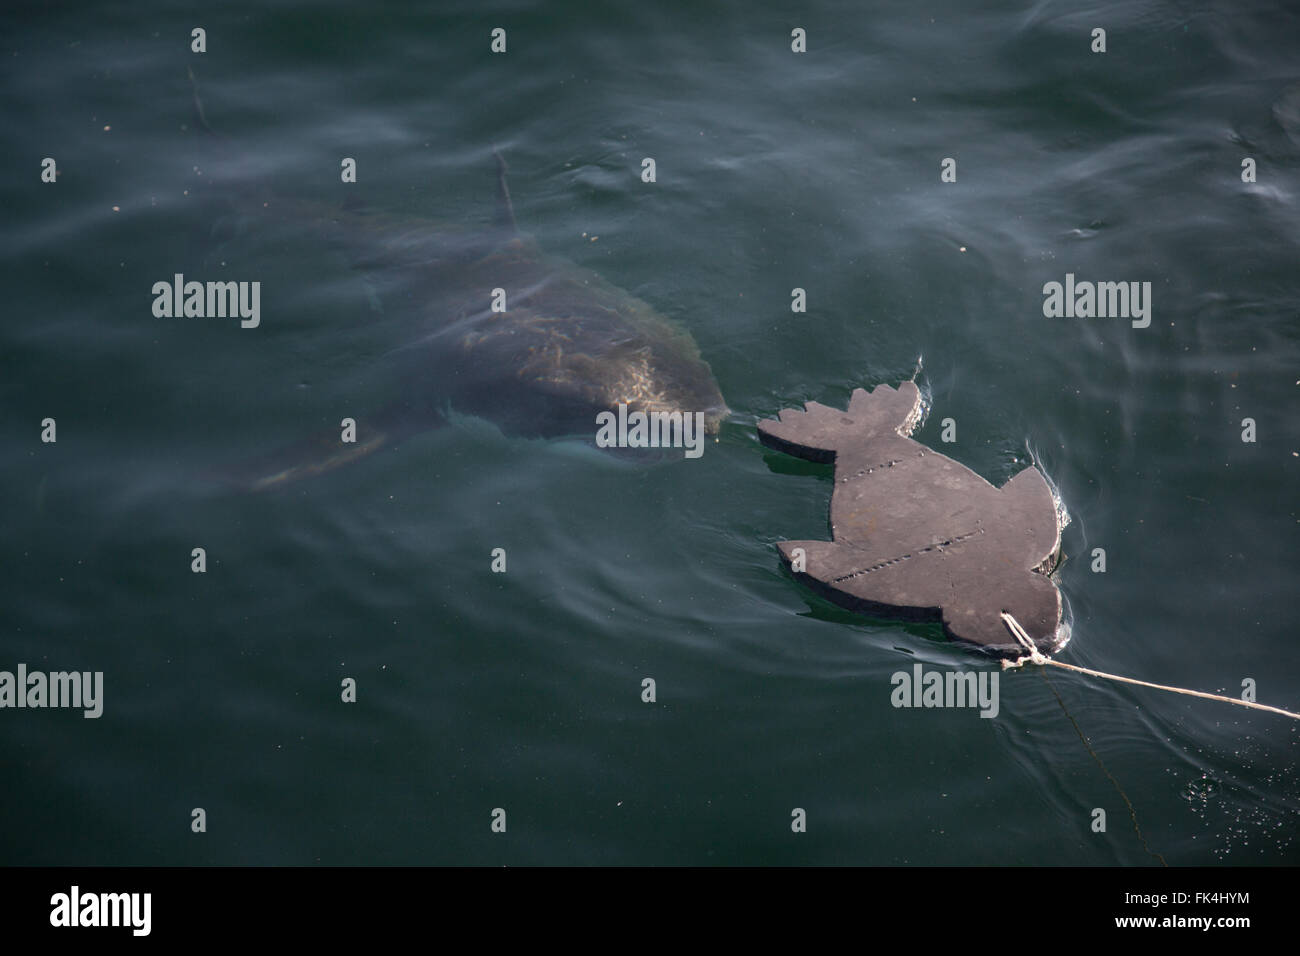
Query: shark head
566,347
654,375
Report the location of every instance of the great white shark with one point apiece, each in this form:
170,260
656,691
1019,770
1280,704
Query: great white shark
568,346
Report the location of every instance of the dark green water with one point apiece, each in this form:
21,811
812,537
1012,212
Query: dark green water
522,691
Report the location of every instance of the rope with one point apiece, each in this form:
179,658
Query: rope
1132,810
1035,656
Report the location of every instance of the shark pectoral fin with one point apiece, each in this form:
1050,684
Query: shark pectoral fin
319,461
314,456
323,452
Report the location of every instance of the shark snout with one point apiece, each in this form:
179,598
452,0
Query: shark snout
714,416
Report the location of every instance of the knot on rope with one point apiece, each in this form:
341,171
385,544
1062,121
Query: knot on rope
1033,655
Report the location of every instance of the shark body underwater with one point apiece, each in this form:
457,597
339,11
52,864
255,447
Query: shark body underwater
568,346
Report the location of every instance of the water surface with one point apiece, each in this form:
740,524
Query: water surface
523,691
